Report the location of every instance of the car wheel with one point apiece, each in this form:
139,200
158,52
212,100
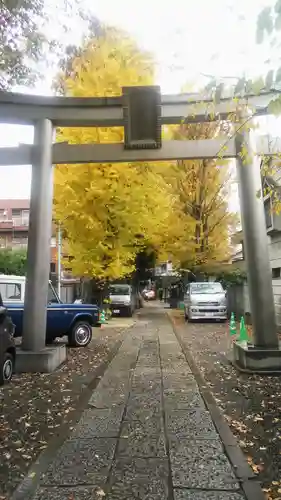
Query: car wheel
7,368
129,312
189,319
81,334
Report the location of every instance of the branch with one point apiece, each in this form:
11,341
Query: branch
234,134
221,77
211,229
221,186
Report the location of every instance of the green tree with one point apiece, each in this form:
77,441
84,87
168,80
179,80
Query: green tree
269,31
269,23
26,37
13,262
21,39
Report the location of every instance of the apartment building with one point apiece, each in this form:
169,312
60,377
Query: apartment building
14,221
14,224
164,269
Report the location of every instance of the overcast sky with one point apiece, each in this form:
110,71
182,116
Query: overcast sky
189,39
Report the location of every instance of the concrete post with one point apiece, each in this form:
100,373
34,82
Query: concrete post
40,228
59,260
255,242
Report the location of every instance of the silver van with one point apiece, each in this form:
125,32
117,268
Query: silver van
122,299
206,300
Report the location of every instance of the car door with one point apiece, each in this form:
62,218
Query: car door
13,299
187,298
56,319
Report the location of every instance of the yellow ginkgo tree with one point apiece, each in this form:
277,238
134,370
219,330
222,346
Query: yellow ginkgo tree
110,211
202,188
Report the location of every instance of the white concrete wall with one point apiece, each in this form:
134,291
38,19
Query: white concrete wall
67,294
247,308
277,300
274,246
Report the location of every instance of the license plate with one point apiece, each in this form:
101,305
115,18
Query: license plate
116,311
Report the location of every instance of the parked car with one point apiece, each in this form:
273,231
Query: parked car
205,300
7,345
73,320
123,299
148,294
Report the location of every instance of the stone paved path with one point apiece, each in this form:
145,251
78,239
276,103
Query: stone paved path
146,433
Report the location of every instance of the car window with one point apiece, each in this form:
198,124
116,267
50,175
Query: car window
52,298
119,290
3,290
10,291
206,288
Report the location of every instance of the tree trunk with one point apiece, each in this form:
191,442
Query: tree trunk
95,292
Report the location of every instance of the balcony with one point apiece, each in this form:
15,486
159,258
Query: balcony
6,225
20,222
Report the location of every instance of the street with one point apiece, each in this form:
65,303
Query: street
145,432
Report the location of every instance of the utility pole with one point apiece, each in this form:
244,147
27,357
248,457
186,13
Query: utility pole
59,260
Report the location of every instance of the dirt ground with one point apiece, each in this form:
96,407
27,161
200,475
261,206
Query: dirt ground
251,404
33,406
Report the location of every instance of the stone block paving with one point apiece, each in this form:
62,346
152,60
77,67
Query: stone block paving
146,433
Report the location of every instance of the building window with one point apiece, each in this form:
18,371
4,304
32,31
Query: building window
3,215
20,217
53,267
3,242
276,272
268,214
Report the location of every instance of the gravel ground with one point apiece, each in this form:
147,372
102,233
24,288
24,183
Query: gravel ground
33,406
251,404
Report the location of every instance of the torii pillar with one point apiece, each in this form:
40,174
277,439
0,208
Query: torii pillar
265,353
35,356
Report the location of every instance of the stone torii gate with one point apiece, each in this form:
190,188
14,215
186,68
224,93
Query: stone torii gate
141,111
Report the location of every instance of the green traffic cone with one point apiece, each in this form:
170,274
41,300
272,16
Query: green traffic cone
102,317
243,337
232,325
